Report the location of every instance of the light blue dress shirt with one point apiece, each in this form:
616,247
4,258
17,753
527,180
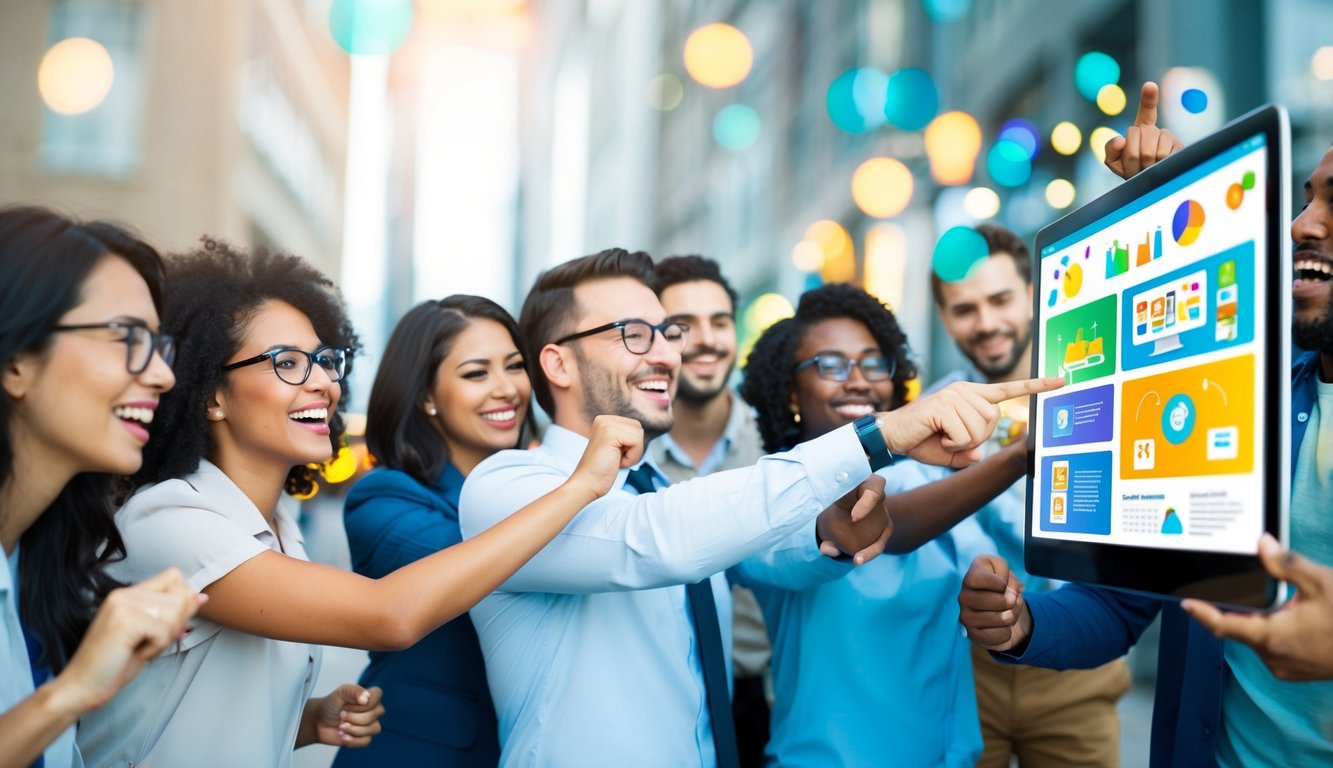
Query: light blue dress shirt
871,669
589,650
15,670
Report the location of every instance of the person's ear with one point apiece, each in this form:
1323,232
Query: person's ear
557,365
20,373
216,409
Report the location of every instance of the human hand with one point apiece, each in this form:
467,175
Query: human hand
857,523
133,625
946,427
616,442
991,605
1294,641
1143,143
348,717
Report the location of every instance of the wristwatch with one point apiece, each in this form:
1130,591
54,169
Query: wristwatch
872,442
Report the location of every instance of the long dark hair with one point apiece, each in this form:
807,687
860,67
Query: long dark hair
215,292
398,433
44,260
769,376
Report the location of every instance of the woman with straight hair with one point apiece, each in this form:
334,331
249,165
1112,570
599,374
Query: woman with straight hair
266,344
84,366
451,390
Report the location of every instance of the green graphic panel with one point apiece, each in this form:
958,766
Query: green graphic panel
1081,343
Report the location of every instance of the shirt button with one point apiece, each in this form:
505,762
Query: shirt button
1302,417
841,477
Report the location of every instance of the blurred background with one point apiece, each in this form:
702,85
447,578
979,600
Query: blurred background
417,148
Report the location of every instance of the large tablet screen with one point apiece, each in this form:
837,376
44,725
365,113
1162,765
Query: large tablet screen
1159,315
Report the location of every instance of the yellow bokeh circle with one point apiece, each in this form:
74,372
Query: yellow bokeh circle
882,187
75,75
718,55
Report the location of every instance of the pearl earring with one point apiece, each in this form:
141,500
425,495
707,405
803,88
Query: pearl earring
218,415
430,410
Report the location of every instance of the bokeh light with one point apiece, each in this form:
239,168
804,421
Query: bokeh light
855,99
886,263
807,256
957,251
1066,138
911,99
882,187
1008,164
75,75
1060,194
839,255
953,141
718,55
1111,99
1023,133
1093,70
665,92
736,127
370,27
1321,64
1097,142
1194,101
945,11
765,310
981,203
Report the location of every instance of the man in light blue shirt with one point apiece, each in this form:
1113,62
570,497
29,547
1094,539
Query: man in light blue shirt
589,649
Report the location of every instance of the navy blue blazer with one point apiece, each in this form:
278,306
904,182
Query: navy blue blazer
1081,626
438,709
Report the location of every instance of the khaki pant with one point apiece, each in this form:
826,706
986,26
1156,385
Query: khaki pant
1046,717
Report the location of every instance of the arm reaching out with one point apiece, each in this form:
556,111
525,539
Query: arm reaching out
133,625
1143,143
1296,640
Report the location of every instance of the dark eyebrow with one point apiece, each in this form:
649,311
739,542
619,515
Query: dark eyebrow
482,361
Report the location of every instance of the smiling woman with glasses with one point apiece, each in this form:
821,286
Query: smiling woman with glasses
76,411
265,348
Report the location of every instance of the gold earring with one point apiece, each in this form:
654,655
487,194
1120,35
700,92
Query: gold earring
797,416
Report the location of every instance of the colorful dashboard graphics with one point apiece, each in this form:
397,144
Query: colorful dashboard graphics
1191,311
1081,343
1148,250
1076,493
1236,192
1187,223
1079,417
1068,274
1194,421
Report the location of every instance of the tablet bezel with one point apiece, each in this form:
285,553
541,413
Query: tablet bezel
1231,579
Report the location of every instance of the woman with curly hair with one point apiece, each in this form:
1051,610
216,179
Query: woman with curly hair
265,345
84,366
870,668
451,390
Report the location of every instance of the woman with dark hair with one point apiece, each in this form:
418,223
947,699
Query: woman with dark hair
450,391
265,347
869,668
84,367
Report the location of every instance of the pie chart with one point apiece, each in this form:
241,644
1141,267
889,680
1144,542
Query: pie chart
1187,223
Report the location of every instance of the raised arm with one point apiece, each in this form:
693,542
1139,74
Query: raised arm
1143,144
288,599
132,626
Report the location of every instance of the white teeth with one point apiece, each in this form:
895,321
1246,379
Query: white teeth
653,386
498,416
1311,265
854,411
321,414
141,415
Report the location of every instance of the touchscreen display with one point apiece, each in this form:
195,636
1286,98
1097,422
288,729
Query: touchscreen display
1154,316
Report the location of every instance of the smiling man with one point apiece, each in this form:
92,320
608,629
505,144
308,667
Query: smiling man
607,648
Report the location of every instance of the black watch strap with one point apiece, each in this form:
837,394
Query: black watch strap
872,442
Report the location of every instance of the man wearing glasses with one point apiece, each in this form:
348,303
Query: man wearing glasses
1051,717
607,648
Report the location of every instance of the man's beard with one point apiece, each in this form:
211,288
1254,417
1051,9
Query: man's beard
601,395
688,393
1006,366
1315,335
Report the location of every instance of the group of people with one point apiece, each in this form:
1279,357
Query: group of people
574,603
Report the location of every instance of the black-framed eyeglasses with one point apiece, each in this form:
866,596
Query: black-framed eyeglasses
140,343
293,365
835,367
638,334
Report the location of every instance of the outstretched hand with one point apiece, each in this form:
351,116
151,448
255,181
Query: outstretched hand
1294,641
1143,143
946,427
858,524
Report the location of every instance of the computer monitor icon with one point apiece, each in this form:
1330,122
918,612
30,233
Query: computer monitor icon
1162,313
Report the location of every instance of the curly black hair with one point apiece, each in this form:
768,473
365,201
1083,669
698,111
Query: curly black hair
214,293
770,379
